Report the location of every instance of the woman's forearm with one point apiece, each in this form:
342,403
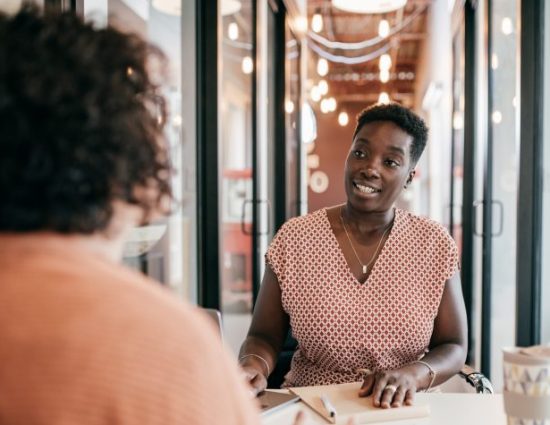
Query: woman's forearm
446,360
258,353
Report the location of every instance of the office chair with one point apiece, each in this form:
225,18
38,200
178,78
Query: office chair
467,380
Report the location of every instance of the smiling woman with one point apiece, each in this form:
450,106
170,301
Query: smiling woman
369,291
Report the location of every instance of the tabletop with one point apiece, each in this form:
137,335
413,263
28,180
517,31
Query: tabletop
445,409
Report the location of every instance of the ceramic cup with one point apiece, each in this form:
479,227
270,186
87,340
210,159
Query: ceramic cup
527,385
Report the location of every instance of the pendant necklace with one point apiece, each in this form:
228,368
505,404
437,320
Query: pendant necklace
365,267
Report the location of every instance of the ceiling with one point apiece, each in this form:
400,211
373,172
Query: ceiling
360,82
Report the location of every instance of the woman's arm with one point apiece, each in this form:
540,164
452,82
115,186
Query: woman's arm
448,347
266,335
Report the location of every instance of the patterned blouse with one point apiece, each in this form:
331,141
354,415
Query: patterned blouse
342,325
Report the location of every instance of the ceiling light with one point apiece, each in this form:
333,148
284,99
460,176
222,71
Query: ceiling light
317,22
170,7
370,6
384,75
383,28
233,31
247,65
385,62
384,98
507,26
322,67
343,119
229,7
323,87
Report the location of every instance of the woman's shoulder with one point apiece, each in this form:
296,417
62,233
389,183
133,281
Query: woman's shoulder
306,221
423,225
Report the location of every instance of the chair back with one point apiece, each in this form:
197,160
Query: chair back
216,317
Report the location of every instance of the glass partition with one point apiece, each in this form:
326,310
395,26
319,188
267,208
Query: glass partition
502,165
545,307
165,249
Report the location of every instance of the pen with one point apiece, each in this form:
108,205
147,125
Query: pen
328,406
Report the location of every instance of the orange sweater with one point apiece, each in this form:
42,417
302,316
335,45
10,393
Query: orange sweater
84,341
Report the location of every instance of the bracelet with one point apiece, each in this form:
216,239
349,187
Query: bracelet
432,373
259,357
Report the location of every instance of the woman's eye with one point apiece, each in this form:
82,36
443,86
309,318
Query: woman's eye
392,163
358,154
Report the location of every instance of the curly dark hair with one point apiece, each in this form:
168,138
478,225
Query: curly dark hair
81,124
404,118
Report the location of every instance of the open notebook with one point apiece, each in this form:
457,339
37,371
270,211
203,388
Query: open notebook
347,403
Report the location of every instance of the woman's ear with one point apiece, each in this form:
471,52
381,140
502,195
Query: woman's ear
410,178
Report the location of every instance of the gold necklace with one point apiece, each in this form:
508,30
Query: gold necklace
365,267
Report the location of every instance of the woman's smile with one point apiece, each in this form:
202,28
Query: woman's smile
365,188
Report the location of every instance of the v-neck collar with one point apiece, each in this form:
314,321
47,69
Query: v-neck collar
374,268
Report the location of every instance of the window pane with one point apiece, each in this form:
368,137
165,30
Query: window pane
545,308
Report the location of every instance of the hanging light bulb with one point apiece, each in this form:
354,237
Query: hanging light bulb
301,24
494,61
332,104
325,106
317,22
343,119
384,98
507,26
247,65
383,28
233,31
322,67
289,106
384,75
385,61
323,87
315,94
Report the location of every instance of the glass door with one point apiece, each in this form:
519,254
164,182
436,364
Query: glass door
236,165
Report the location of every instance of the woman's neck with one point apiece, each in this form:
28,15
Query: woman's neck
367,223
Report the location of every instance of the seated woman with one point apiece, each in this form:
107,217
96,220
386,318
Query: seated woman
371,292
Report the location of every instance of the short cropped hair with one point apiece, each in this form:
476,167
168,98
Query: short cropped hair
81,124
404,118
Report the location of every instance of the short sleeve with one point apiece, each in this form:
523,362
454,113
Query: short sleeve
447,256
276,255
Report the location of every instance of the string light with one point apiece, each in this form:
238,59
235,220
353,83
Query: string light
322,67
233,31
384,75
323,87
317,22
332,104
343,119
383,28
247,66
384,98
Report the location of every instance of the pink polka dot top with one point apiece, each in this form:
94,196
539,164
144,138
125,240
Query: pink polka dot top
342,325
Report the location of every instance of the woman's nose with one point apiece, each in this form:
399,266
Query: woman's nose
371,172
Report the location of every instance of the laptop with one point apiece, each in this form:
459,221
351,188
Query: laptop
272,401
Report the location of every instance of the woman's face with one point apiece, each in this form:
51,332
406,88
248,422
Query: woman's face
378,166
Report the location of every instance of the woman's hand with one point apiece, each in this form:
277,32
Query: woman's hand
255,378
391,388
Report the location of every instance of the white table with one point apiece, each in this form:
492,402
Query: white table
445,408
